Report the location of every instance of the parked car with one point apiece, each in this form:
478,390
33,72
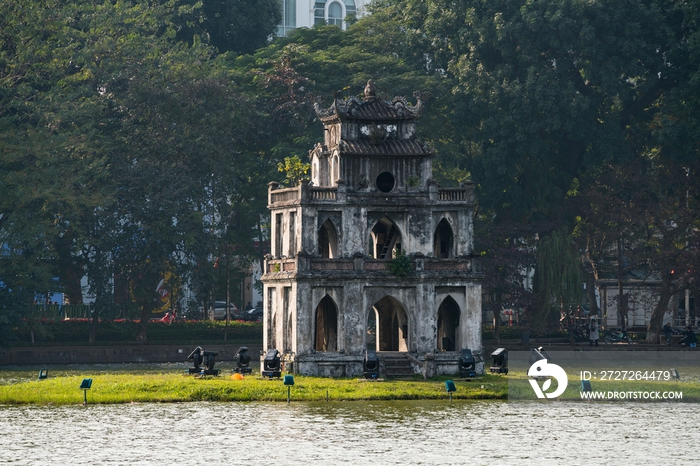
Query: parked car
219,310
255,314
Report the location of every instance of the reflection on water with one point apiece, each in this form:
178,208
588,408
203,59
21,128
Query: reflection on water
350,433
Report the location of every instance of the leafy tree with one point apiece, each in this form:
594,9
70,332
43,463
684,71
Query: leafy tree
554,88
294,169
123,147
550,91
238,26
558,275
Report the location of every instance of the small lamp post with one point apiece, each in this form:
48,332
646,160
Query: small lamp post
85,386
289,381
450,387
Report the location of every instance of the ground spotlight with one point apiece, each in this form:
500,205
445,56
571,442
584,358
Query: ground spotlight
242,358
467,364
500,361
198,357
537,354
370,365
271,364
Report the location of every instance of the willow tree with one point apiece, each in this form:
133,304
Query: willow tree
558,276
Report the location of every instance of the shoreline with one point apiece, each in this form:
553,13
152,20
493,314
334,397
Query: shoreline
178,351
168,386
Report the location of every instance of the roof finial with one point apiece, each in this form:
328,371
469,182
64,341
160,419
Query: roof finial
370,90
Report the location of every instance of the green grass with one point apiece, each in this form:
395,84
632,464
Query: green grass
139,388
520,389
175,386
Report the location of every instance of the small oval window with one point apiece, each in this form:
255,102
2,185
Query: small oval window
385,182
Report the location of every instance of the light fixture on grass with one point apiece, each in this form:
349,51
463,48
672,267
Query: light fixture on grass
467,364
500,361
271,364
85,385
242,358
370,365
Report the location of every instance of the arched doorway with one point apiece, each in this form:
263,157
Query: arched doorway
448,325
443,242
327,240
387,326
385,238
326,325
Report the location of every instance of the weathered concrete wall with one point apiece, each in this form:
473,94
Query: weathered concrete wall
370,168
114,354
354,298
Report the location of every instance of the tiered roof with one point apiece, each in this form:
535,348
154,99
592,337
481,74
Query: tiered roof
371,108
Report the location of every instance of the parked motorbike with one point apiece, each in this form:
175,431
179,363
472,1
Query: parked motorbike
577,332
617,335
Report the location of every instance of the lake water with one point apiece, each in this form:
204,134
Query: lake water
352,433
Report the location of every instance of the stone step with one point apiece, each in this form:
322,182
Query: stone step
396,364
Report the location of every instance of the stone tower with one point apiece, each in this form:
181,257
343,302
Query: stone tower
331,284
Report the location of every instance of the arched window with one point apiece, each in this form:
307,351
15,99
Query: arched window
443,241
332,12
387,326
448,324
335,14
326,325
327,240
386,238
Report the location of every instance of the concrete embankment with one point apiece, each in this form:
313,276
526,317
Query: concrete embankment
115,354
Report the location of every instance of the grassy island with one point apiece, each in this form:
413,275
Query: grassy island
140,388
116,387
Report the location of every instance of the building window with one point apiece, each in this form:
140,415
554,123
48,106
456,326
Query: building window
335,14
350,7
443,240
320,13
292,234
386,182
326,325
278,236
289,17
327,240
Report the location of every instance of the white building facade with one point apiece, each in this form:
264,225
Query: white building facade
307,13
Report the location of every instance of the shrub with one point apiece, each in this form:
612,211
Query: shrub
123,331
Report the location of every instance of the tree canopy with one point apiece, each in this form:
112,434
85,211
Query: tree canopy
137,137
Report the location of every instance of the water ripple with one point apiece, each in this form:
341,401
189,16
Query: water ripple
351,433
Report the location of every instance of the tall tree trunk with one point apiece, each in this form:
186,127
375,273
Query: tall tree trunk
496,306
621,297
657,315
93,325
70,269
142,329
590,291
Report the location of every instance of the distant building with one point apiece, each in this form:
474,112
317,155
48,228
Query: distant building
306,13
371,254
